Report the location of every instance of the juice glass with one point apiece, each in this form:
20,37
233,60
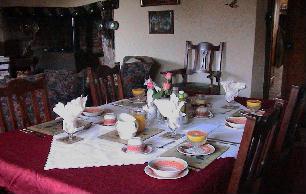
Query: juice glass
140,116
138,93
253,105
197,138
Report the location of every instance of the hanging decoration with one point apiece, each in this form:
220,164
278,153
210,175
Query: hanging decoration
233,3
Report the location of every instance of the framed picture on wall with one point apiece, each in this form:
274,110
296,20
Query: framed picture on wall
145,3
161,22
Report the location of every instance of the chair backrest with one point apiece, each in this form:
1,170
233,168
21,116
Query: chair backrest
21,95
204,57
290,120
22,64
105,84
254,152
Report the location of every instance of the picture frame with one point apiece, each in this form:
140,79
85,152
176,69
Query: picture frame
145,3
161,22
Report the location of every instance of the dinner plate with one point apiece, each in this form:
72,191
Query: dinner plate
185,148
148,149
150,173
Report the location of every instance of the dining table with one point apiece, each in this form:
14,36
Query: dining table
24,158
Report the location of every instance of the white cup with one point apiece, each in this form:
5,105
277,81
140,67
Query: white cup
135,145
109,119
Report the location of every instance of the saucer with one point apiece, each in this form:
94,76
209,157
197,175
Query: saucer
148,149
150,173
184,148
208,115
93,111
102,123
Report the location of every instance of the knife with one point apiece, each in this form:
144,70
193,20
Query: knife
223,141
29,131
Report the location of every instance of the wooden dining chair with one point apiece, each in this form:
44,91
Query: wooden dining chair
290,121
285,141
21,95
254,152
205,58
105,84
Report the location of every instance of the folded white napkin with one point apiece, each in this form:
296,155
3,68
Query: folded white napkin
171,109
232,88
72,110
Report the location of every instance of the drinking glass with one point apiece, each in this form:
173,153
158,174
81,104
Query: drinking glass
196,138
140,116
70,127
253,105
138,93
160,118
230,102
173,126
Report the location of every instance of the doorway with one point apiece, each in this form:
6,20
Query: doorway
286,47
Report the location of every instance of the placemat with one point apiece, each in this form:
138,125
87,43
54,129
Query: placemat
198,162
113,135
237,113
53,127
130,103
169,135
230,107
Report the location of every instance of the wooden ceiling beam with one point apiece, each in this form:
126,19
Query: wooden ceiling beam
46,3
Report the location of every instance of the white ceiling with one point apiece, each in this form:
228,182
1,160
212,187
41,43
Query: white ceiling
45,3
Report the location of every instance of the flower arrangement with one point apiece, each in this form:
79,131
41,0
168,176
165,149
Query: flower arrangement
165,91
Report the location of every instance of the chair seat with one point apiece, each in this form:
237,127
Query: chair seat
192,88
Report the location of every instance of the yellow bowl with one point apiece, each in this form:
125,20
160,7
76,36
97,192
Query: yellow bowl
254,104
196,136
138,91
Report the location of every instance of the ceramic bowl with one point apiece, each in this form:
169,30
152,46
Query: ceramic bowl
168,166
92,111
236,122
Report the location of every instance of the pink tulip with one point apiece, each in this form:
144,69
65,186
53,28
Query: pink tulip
168,76
166,85
150,85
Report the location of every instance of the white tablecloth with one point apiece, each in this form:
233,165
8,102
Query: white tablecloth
93,151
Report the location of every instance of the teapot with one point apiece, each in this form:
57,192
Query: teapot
126,126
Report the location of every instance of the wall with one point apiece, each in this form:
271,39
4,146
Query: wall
259,50
195,20
1,35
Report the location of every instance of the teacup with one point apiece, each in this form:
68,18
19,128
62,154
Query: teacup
109,119
135,145
202,111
